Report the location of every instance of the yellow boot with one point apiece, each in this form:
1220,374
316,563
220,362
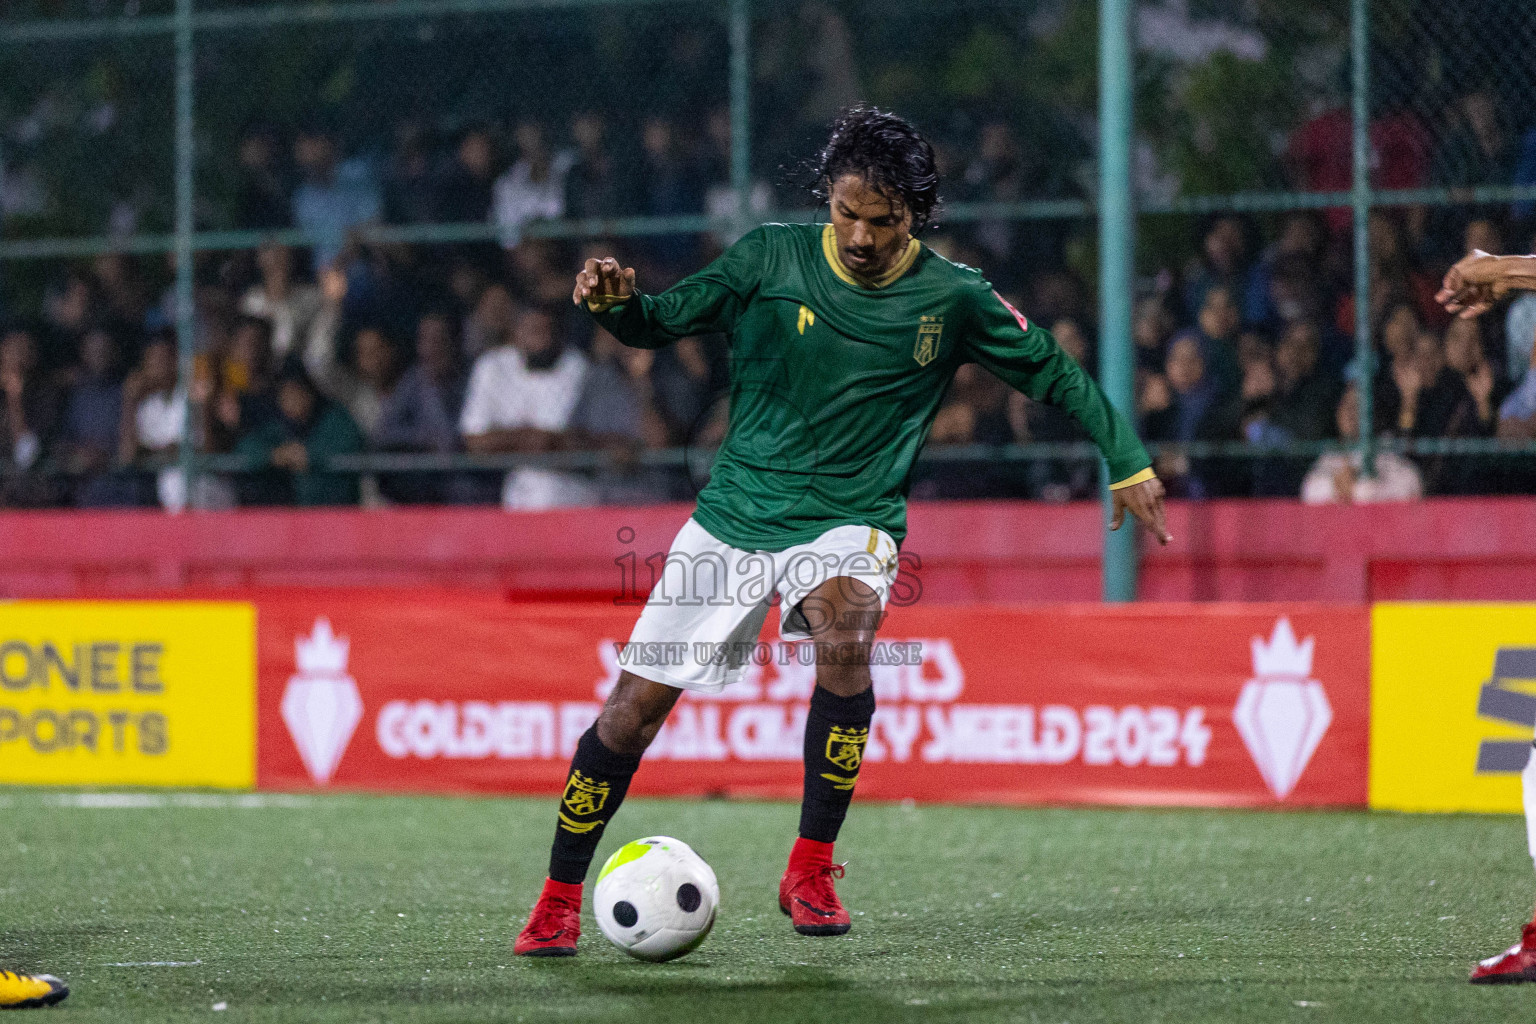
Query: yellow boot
24,991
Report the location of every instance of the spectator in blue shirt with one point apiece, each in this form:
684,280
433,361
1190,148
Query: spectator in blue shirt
421,414
91,430
335,196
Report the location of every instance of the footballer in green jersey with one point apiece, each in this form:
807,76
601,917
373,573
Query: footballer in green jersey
844,337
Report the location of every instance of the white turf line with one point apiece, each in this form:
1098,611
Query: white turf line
155,801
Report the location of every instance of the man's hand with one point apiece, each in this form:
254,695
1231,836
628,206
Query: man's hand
1479,280
1470,287
1145,501
603,282
13,385
292,456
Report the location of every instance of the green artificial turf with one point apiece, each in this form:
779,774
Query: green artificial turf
356,908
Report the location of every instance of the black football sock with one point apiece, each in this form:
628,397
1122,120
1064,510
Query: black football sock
836,730
598,781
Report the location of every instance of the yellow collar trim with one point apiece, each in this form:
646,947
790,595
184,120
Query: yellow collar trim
829,250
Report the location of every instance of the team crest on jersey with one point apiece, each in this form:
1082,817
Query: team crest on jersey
807,318
929,330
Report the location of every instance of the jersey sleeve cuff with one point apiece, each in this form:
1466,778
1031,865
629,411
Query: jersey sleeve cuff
603,303
1132,481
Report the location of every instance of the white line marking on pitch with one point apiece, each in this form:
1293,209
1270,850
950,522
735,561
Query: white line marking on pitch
155,801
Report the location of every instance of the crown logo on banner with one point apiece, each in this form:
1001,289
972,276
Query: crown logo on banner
321,705
1282,712
1282,657
322,653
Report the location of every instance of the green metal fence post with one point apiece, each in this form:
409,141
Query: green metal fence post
1117,256
1360,199
185,321
741,111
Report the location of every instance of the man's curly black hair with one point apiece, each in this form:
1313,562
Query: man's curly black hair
888,153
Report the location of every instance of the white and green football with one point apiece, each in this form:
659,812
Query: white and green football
656,899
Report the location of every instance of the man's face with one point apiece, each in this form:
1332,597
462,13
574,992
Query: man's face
375,358
475,154
160,366
1219,317
1296,355
250,346
314,153
295,401
872,230
97,351
434,344
1185,366
275,260
1224,245
18,353
535,337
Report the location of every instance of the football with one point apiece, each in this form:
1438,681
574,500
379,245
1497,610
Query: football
656,899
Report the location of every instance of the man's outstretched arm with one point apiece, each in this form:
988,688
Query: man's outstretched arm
1480,279
1025,356
708,302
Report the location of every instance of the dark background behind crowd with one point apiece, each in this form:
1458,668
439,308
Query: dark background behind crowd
1244,325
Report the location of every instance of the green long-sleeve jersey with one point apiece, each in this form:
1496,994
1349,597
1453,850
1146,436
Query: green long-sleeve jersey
836,380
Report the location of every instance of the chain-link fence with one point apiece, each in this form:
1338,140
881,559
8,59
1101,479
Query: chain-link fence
369,176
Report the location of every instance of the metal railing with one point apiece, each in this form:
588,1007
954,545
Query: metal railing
1115,209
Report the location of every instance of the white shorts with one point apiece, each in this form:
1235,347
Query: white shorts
706,612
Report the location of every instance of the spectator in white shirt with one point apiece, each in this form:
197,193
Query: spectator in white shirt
364,385
155,406
536,395
533,188
288,305
1337,478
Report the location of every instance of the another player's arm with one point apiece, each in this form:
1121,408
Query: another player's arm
1028,358
1480,279
708,302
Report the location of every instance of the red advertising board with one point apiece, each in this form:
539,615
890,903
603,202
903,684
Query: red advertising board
1198,705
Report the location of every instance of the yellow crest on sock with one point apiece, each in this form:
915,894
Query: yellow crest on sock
584,796
845,748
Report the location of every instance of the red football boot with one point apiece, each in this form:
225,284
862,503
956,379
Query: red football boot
1515,964
806,893
555,924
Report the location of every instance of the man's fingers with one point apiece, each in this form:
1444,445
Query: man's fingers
1159,522
1145,501
601,278
608,273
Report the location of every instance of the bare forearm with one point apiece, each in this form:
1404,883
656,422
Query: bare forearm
1512,272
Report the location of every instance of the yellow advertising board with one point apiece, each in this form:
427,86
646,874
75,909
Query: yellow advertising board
140,693
1453,697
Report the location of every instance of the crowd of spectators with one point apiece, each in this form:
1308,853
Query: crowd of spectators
349,346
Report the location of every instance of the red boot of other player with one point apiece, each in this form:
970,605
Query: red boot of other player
1517,963
555,924
806,893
